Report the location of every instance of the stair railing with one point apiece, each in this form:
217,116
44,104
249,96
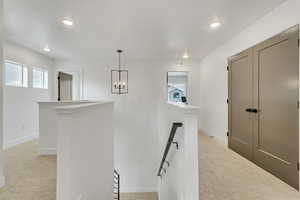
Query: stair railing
116,185
170,141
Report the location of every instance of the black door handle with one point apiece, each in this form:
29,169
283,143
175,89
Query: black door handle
248,110
254,110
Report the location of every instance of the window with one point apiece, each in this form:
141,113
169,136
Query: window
177,86
16,74
40,78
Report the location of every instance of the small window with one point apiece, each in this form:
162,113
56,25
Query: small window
177,86
40,78
16,74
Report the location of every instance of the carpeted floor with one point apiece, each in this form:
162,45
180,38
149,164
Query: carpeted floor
139,196
28,176
33,177
225,175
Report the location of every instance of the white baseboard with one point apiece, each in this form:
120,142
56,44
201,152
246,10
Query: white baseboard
222,140
2,181
47,151
137,189
12,143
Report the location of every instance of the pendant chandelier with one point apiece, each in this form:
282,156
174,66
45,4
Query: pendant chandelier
119,78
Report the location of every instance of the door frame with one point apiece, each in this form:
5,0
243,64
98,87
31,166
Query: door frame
79,89
229,92
59,79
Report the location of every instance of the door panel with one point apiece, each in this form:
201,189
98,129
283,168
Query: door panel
240,87
64,86
276,135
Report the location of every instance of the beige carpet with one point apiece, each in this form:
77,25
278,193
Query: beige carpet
225,175
33,177
28,176
139,196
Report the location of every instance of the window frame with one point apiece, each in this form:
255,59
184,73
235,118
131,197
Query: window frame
187,74
45,83
23,66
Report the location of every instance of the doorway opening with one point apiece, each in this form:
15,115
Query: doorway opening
69,85
65,82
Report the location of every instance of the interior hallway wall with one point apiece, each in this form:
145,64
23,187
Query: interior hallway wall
20,107
172,185
213,74
135,138
136,114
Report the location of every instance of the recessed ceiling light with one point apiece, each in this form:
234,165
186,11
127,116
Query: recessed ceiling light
185,55
47,49
215,25
67,22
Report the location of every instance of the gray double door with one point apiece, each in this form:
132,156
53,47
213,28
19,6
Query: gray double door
263,105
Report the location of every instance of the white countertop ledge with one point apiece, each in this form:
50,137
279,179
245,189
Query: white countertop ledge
61,102
186,108
79,107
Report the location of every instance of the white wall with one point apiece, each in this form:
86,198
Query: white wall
20,108
2,179
181,180
135,133
213,74
136,114
173,184
80,174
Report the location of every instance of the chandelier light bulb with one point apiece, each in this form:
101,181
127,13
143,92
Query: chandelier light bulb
215,25
47,49
67,22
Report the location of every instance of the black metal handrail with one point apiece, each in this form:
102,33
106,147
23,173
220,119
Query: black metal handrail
170,141
116,185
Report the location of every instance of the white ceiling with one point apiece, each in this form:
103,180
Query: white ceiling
152,29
